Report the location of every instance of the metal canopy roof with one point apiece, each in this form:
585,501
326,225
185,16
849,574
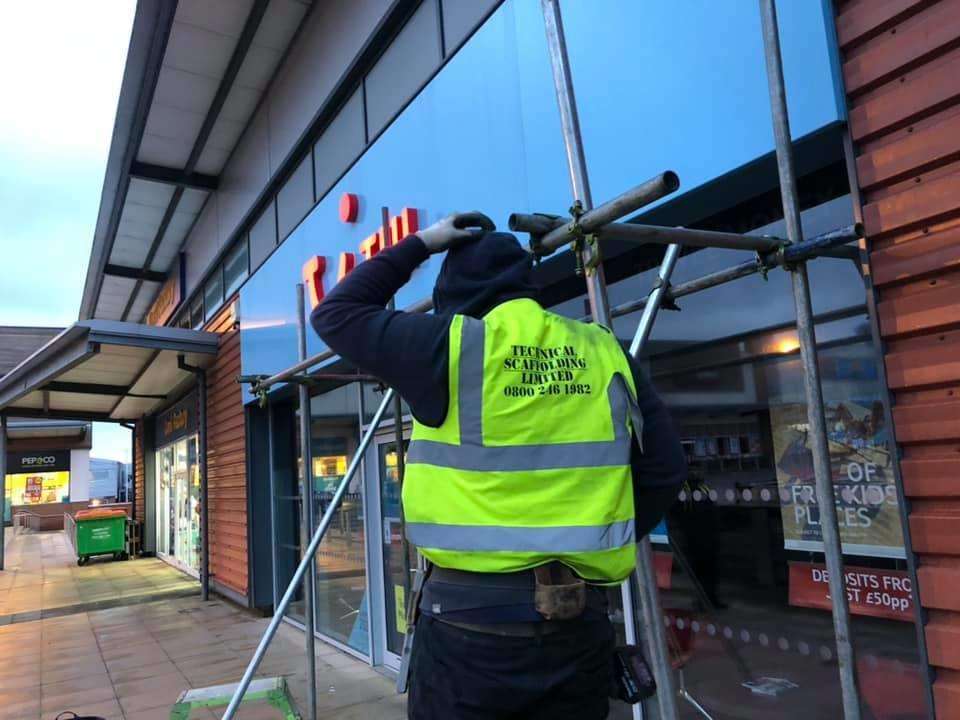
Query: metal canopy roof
24,429
195,74
104,370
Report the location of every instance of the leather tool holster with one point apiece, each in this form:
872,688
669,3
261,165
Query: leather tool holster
558,593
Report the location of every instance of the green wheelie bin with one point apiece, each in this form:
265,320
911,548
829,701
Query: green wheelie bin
101,532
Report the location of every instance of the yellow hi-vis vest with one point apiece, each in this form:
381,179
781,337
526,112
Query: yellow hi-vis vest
532,463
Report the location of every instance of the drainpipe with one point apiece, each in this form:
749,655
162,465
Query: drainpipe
201,376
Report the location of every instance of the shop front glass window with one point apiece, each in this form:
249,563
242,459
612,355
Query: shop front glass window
741,567
178,503
342,605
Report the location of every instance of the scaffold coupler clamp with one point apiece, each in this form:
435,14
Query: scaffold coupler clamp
581,241
768,261
667,301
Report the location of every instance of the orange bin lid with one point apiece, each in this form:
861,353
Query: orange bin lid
99,513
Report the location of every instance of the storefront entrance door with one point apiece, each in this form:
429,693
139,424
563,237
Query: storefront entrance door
396,574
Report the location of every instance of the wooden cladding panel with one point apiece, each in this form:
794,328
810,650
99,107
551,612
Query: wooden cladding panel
226,460
938,587
859,19
139,506
901,66
936,477
943,646
921,203
946,693
903,47
917,258
928,89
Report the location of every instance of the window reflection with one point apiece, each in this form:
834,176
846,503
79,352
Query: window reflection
745,595
741,570
341,587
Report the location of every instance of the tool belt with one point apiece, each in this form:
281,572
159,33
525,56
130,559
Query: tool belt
558,593
557,596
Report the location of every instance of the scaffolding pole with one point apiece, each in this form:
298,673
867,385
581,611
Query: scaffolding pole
811,372
307,560
600,309
306,513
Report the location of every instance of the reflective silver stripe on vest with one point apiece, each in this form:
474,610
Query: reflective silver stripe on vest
486,538
471,454
470,387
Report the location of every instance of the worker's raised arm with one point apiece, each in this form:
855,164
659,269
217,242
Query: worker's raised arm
408,351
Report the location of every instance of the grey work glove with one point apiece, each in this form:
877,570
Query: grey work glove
455,229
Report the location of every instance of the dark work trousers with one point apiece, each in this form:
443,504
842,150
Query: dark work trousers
458,674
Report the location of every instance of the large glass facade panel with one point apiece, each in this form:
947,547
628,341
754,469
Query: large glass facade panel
342,605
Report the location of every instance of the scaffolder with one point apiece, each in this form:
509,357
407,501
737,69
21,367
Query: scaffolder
584,227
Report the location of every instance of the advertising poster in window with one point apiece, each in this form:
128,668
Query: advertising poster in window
863,479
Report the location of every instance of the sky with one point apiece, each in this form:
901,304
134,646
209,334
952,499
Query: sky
61,63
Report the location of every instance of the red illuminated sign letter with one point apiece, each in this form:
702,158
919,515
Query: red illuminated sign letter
348,261
372,245
313,270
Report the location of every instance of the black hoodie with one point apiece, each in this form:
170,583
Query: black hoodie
409,351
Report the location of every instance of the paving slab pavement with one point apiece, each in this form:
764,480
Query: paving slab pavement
60,651
42,579
132,663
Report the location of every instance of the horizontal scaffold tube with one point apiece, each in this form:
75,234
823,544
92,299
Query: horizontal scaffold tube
259,384
805,250
554,232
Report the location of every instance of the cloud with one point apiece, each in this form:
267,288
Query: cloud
63,62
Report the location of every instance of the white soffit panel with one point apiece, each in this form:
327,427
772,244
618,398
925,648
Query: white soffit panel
197,50
130,408
32,401
82,402
113,365
114,293
184,90
225,17
171,123
145,296
279,24
151,194
163,151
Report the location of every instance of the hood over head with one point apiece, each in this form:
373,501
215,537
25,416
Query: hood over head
479,275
